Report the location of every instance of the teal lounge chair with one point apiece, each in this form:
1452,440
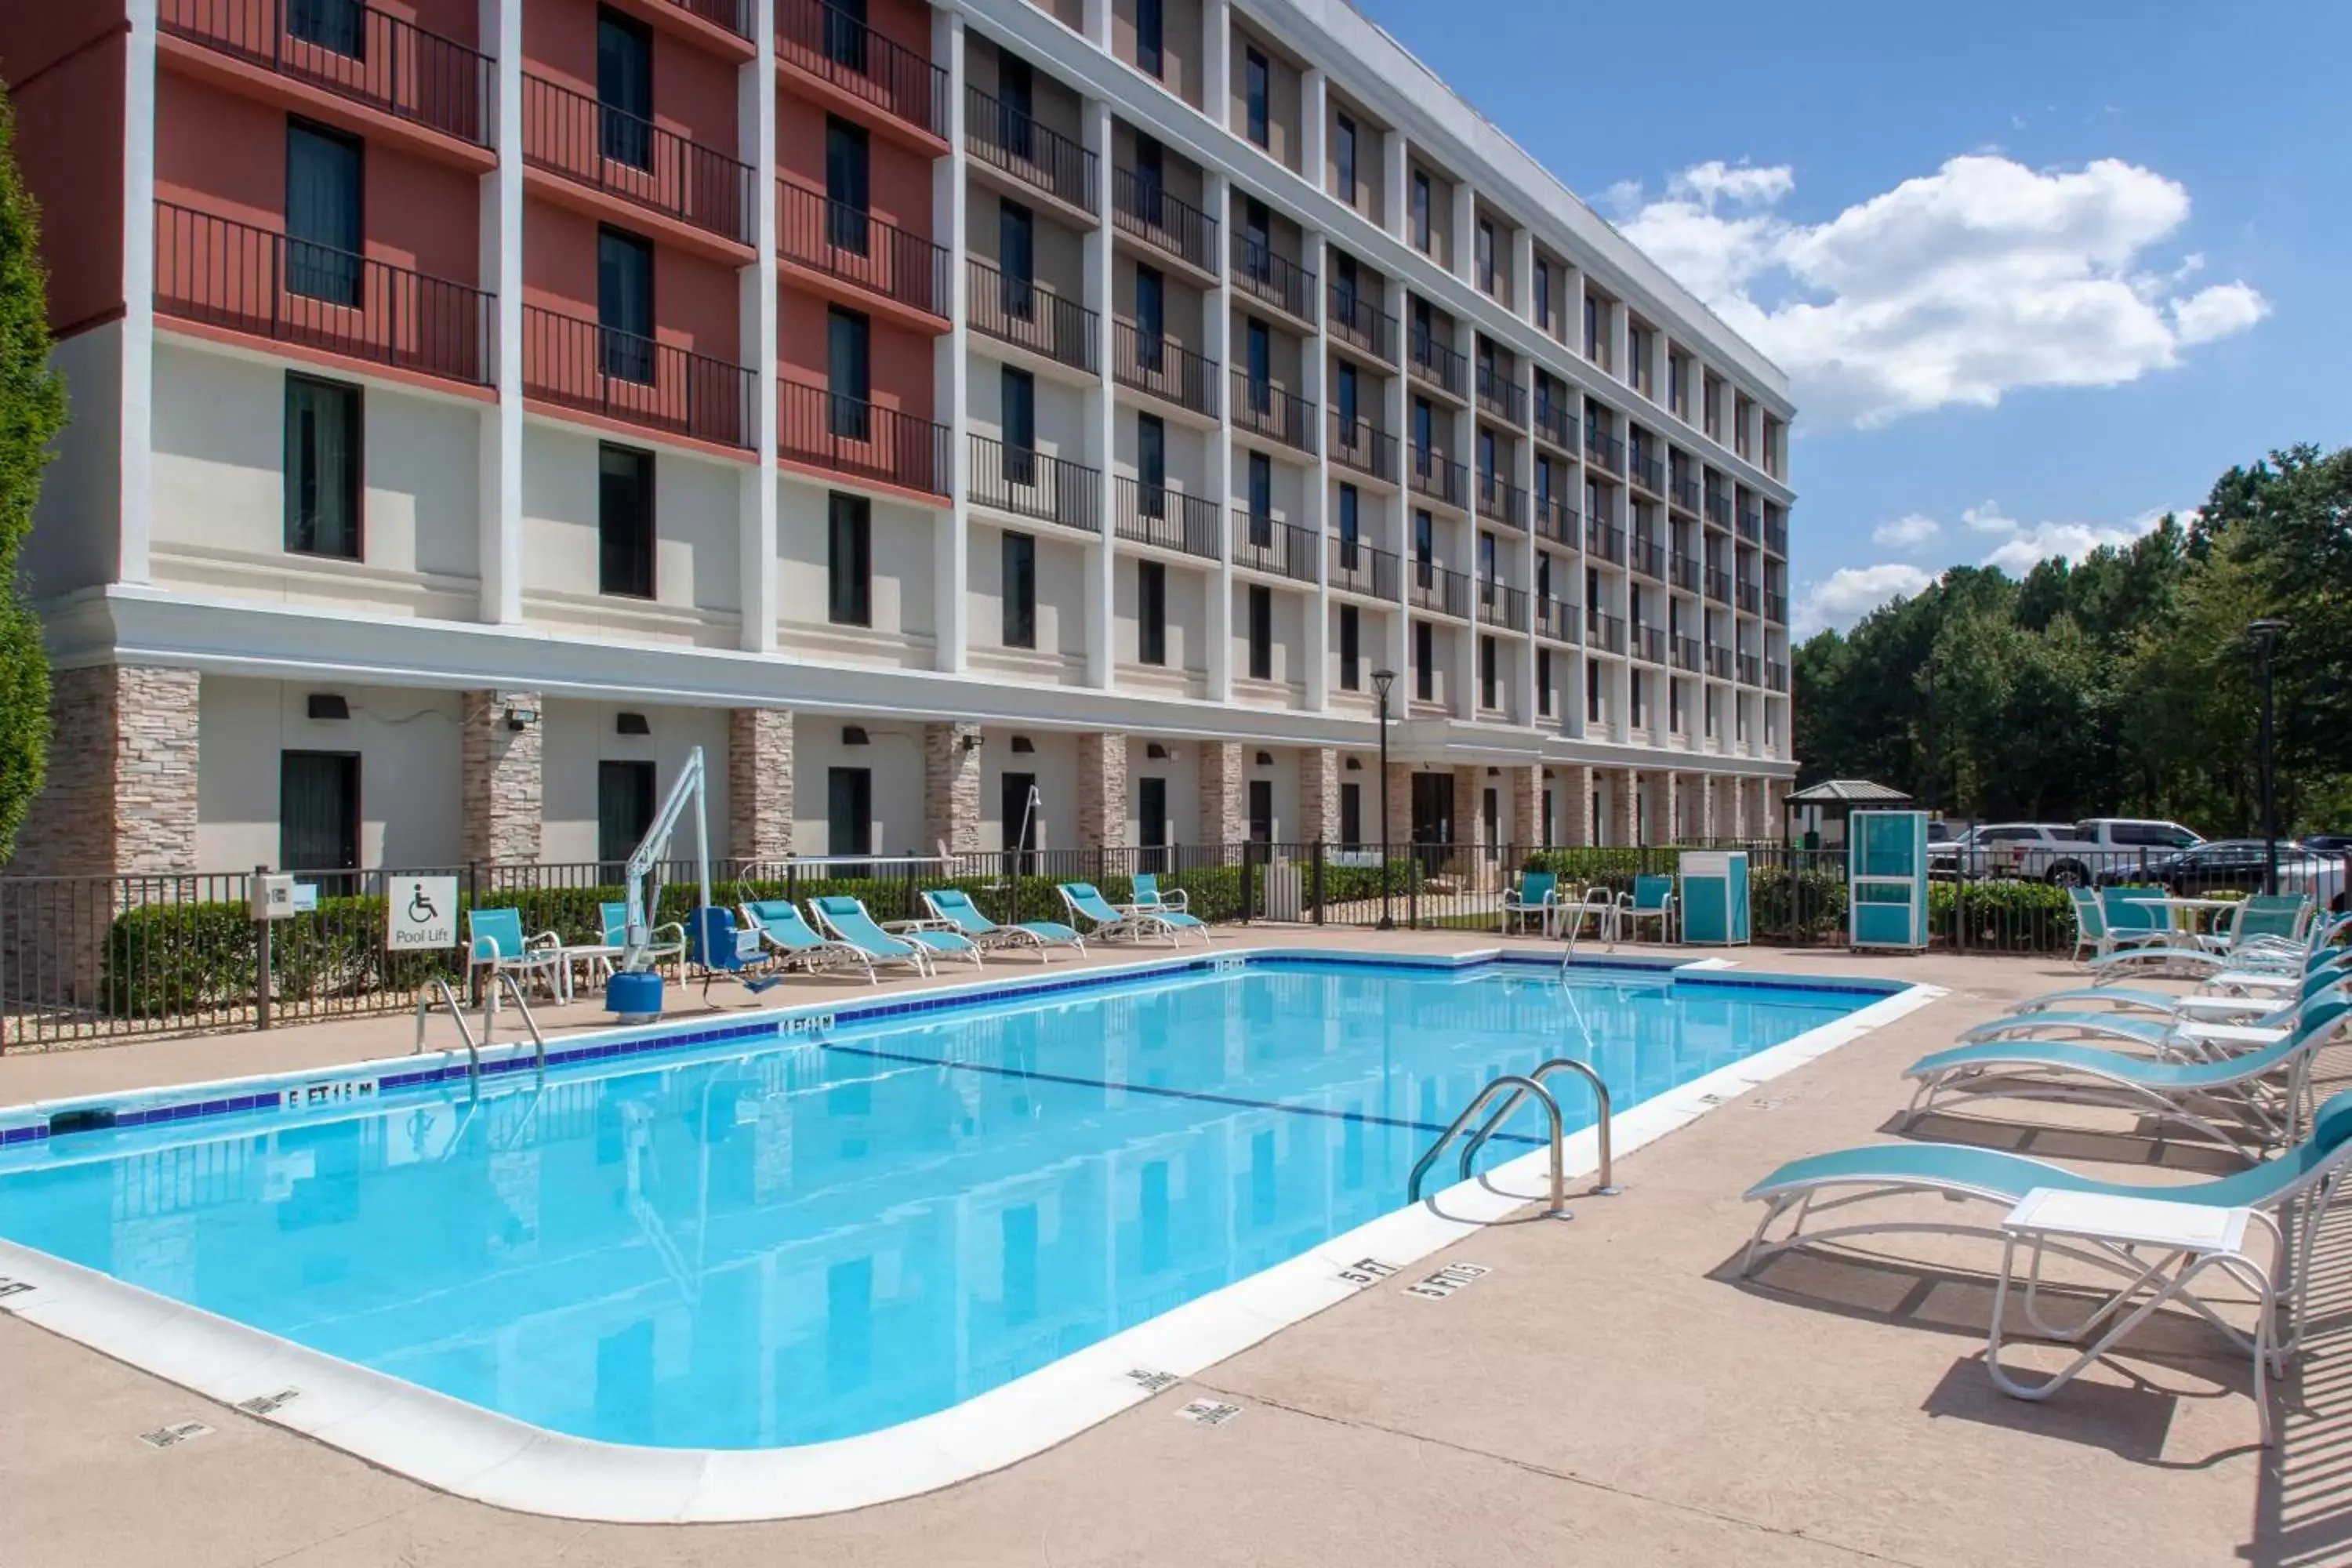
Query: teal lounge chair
846,918
1537,894
784,932
953,907
2263,939
668,940
495,941
1107,923
2325,969
1653,898
1143,893
2248,1101
2095,935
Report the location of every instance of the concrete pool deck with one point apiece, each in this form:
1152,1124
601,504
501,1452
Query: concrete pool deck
1612,1392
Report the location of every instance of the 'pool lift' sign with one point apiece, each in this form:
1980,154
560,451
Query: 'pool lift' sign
422,912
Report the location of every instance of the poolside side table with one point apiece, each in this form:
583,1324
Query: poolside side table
2163,1248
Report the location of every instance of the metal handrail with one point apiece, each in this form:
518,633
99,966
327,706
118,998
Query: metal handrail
449,999
1605,1187
1526,1085
522,1005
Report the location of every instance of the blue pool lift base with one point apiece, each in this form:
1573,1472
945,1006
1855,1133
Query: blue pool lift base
635,998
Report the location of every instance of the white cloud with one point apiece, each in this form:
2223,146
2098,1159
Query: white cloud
1953,288
1988,519
1906,533
1851,593
2024,549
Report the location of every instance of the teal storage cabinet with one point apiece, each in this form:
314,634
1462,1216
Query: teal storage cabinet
1714,897
1886,878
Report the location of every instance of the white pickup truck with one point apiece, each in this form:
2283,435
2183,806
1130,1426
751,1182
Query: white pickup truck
2074,855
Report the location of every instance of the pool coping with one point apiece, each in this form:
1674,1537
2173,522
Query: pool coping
473,1452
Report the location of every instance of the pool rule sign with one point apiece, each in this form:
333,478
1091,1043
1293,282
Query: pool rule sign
422,911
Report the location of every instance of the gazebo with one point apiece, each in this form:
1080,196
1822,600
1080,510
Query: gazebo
1817,813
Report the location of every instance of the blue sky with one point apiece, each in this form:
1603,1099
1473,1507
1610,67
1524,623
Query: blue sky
2139,257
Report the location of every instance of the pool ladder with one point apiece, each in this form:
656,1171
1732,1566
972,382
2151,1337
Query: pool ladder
1522,1087
437,996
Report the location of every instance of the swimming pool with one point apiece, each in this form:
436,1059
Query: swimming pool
824,1235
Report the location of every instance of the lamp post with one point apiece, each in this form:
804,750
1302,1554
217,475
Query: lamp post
2265,635
1381,680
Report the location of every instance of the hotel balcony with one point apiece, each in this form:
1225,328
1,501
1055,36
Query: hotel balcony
1147,362
1649,557
1557,619
1608,632
1751,670
1776,536
1165,518
1427,473
1776,608
1686,653
1358,568
852,437
860,258
1718,661
575,363
1556,422
1604,449
1718,509
1502,503
1267,410
1274,279
1718,584
1364,447
235,277
1500,397
1557,520
1682,569
1751,524
349,51
1171,226
1029,316
733,16
591,146
1500,604
1650,644
1003,139
1647,472
849,67
1604,541
1434,588
1776,677
1682,494
1023,482
1433,364
1357,322
1750,599
1279,549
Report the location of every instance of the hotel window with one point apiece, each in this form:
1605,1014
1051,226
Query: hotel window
1256,81
1420,230
324,239
1424,548
849,811
1637,359
1635,689
1020,591
318,811
1261,811
625,305
1150,612
322,468
1348,529
1344,397
1592,690
1351,814
1150,316
1016,95
1151,820
1148,33
1674,383
1151,465
1261,501
849,375
1343,155
848,187
844,34
1257,240
1017,260
1675,706
625,87
1486,563
625,521
1490,693
1261,632
625,808
1424,662
1259,346
1017,398
1542,291
849,560
1591,328
1543,682
1351,650
339,26
1486,256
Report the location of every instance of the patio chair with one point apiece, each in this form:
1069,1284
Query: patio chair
2213,1005
1106,922
1653,898
953,907
1143,893
2094,932
847,919
668,939
2248,1102
1537,894
2273,920
2260,948
495,941
785,934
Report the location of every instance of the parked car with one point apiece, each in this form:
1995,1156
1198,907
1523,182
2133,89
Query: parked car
2329,843
2236,866
2073,855
1992,848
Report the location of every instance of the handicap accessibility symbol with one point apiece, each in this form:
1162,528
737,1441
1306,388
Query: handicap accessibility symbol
421,913
420,905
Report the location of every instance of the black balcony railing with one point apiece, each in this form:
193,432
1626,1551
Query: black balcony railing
1141,207
1718,584
1776,535
1686,653
852,435
247,280
1262,273
1364,447
351,50
1501,501
1555,421
1265,409
1500,604
595,369
1148,362
1501,397
735,15
1557,520
1264,544
1776,608
1427,473
1025,482
831,45
591,143
1751,524
1608,631
1606,542
1355,567
1005,139
1683,492
1429,586
1776,677
1718,509
1751,670
1650,644
1647,471
1718,661
1749,598
1604,449
1557,619
1028,315
1434,364
1156,515
1649,557
844,242
1357,321
1682,569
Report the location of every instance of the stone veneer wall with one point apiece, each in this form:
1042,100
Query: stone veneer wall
501,801
1102,791
1624,807
1223,818
1526,804
760,784
1318,794
952,788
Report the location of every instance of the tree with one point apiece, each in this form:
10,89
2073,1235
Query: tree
32,412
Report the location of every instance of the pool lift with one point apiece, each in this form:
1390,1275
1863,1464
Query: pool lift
634,991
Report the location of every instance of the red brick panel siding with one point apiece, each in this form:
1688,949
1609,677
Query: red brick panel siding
70,107
900,182
694,299
224,153
694,92
903,361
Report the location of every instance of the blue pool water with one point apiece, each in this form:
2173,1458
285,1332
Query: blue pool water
826,1237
